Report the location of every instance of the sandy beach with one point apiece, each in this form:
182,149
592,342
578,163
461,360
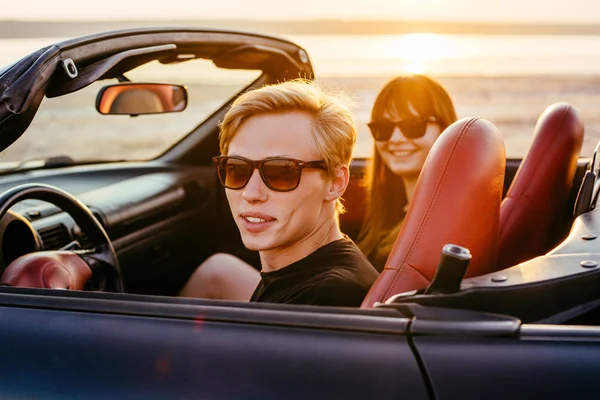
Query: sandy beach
70,125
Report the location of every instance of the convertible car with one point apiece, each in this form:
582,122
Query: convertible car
491,291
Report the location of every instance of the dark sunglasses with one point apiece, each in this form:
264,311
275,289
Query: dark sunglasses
278,173
412,128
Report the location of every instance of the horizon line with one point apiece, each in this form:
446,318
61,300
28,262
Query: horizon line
16,28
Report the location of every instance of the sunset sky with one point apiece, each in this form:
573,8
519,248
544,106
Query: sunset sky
574,11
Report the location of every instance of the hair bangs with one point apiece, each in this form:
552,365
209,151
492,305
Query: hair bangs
406,96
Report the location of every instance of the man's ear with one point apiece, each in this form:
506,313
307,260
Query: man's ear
339,182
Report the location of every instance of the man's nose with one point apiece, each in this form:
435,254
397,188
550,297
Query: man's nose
255,190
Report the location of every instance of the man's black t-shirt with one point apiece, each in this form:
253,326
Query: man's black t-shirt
337,274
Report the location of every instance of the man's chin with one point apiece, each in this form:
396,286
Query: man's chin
255,243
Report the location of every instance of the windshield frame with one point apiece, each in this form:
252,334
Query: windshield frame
43,72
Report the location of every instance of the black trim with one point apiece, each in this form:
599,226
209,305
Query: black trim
559,332
328,318
437,321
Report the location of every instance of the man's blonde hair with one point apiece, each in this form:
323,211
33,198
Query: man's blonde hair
334,130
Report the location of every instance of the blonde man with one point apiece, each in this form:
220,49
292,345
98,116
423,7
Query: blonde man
286,151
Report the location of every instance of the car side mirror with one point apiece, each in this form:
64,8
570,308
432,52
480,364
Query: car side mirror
141,98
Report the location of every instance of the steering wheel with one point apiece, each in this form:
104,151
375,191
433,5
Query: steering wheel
101,257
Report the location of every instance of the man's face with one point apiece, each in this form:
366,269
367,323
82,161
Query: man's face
267,219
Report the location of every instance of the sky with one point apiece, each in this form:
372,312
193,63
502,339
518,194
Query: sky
547,11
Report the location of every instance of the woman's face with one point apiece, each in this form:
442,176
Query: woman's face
403,156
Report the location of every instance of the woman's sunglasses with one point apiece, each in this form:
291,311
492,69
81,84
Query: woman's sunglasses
278,173
412,128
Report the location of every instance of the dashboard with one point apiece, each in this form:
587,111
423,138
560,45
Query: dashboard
152,212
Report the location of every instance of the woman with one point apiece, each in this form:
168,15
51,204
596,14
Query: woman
409,114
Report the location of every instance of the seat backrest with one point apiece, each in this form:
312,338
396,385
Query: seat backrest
456,200
536,199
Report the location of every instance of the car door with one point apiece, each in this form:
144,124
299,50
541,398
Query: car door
99,345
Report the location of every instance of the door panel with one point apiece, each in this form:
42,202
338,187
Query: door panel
68,354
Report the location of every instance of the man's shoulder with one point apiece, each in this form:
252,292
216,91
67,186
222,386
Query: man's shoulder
337,274
342,279
336,287
343,253
344,263
341,275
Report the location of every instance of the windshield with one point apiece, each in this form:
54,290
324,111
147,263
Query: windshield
71,126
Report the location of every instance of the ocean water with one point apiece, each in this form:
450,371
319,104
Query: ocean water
456,55
507,79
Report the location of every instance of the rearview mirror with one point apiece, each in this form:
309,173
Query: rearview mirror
141,98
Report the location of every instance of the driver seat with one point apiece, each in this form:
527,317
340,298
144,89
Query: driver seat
457,201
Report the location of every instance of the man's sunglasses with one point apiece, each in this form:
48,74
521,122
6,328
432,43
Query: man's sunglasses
278,173
412,128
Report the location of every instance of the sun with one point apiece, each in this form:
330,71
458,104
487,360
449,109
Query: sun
419,49
416,67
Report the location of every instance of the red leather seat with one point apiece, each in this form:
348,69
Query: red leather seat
538,194
457,200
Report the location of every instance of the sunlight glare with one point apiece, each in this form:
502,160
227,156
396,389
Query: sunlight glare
418,49
416,67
